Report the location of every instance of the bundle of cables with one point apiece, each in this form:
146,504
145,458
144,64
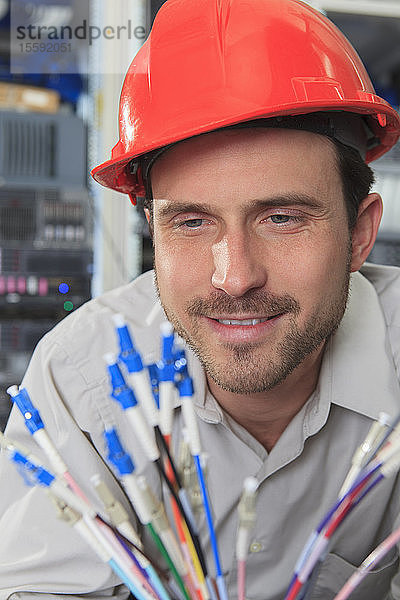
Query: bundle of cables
148,396
376,459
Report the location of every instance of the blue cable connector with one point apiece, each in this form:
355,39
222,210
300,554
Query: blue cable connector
121,392
31,414
116,453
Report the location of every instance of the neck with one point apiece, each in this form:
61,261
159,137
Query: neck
267,414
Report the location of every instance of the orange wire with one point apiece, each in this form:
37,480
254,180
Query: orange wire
178,519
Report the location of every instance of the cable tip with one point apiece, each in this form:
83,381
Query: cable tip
204,456
180,342
13,391
384,419
118,320
166,329
250,485
141,481
95,479
110,358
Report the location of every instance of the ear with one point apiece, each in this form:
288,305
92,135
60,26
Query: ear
366,229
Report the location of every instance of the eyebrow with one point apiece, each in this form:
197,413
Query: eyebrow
172,207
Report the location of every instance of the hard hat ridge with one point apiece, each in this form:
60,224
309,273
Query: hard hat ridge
209,64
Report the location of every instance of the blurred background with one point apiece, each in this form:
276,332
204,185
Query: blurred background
64,239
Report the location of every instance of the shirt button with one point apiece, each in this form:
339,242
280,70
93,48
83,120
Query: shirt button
256,547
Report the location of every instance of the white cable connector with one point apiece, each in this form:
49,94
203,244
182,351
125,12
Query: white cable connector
115,511
59,488
366,450
391,447
161,524
167,396
118,320
141,384
188,473
191,425
166,329
134,491
391,465
143,432
76,521
247,517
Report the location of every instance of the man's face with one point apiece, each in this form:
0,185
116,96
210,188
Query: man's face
252,251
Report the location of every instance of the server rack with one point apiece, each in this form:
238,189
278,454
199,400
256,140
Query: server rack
45,233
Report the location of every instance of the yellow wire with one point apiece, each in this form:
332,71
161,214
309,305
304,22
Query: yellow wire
195,561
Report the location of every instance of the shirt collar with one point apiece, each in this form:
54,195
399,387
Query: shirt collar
358,371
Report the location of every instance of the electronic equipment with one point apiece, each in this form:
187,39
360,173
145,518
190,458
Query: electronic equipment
45,233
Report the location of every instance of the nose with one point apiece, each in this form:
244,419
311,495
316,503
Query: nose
238,265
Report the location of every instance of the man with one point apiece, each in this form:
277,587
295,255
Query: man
246,125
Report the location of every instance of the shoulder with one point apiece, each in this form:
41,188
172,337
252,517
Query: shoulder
386,281
83,337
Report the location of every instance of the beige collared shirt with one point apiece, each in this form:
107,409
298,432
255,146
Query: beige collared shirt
298,480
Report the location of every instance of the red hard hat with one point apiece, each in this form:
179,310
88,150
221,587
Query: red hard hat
209,64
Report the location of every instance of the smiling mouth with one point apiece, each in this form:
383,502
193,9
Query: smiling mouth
244,322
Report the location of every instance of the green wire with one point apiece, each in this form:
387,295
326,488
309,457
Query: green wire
168,560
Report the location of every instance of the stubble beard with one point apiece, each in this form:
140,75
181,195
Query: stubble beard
250,369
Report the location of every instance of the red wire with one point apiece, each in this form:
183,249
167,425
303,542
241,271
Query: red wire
296,587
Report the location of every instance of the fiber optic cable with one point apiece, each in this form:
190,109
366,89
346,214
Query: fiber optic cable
185,538
180,498
189,553
167,392
145,510
366,450
36,428
119,519
189,416
125,396
35,474
127,560
187,515
174,480
164,553
247,519
384,465
188,475
390,432
149,571
166,369
35,425
161,525
116,512
76,520
319,539
138,375
368,564
119,561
